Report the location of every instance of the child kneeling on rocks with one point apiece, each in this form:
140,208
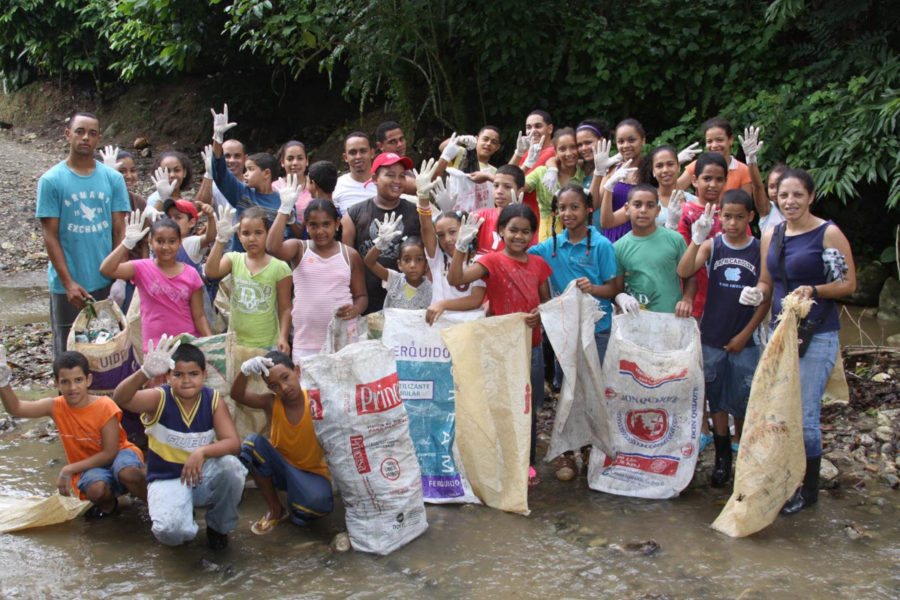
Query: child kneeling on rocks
291,459
193,442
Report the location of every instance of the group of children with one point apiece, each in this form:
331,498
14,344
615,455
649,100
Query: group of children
622,227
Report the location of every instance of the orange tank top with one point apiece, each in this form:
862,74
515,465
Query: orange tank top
297,443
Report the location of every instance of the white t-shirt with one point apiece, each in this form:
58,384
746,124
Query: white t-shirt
441,288
772,219
349,191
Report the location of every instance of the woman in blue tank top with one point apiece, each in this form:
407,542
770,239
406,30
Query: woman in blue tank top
817,263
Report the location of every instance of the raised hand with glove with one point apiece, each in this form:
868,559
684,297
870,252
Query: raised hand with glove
687,154
468,230
258,365
619,175
225,225
751,144
602,160
134,232
424,183
221,124
108,156
674,210
628,303
702,226
164,186
387,231
159,361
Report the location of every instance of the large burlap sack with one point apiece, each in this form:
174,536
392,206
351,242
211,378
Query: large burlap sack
836,389
110,362
426,387
363,427
470,196
569,321
772,459
654,397
492,375
17,514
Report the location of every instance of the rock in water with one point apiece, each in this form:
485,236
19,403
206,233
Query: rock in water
889,300
869,279
341,542
827,471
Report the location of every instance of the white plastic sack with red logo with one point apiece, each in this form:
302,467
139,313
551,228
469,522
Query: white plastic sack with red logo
363,427
654,404
470,196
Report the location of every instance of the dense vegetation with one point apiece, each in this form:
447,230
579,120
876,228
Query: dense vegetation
820,77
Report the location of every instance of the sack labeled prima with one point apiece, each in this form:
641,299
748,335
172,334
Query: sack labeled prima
470,196
112,361
654,401
771,460
17,514
363,427
492,373
569,321
426,387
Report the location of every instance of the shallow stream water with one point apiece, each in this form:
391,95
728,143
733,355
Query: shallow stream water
573,545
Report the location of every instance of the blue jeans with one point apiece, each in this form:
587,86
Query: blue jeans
602,340
308,494
728,377
815,368
110,475
537,394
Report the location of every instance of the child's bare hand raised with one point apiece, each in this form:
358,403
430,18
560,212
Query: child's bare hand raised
206,209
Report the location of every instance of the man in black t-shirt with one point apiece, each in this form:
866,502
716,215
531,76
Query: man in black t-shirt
359,230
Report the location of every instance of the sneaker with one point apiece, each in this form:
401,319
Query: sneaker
705,440
216,540
565,467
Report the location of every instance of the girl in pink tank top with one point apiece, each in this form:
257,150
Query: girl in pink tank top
328,276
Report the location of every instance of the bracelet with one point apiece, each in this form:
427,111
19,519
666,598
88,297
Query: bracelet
815,292
425,212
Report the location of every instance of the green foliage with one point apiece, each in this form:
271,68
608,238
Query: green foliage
820,76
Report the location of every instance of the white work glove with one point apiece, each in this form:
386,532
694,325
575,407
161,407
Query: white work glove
674,210
602,161
451,150
220,124
551,180
618,175
108,155
534,151
751,144
687,154
225,224
702,226
151,215
159,362
289,193
516,198
5,371
424,184
133,231
751,296
442,196
468,229
164,187
628,304
467,141
258,365
387,231
523,143
207,155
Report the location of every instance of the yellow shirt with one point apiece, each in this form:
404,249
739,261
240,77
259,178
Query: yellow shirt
297,443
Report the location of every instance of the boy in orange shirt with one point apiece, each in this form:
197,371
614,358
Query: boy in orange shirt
291,459
103,464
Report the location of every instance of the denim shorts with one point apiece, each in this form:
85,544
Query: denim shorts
728,377
110,475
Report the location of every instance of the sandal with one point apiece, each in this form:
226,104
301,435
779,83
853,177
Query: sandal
533,478
266,523
94,512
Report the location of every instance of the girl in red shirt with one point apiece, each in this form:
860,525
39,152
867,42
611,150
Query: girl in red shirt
515,282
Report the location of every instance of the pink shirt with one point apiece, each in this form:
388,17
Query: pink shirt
320,286
165,301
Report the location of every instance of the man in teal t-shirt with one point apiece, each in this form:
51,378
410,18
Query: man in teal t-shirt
82,205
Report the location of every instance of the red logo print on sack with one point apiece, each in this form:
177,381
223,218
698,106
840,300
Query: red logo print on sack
358,447
647,425
626,367
377,396
315,404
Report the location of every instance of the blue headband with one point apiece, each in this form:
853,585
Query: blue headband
591,127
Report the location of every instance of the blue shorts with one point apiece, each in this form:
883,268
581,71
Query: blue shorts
308,494
728,377
110,475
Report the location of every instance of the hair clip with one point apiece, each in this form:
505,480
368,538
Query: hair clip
404,238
